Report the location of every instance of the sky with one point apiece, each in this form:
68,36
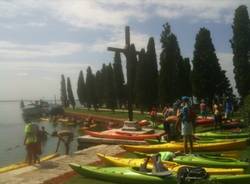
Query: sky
42,39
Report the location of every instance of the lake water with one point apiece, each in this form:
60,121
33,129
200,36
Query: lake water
12,125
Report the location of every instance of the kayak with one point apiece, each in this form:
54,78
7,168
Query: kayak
121,175
204,122
203,140
198,121
223,135
228,154
205,160
210,161
155,148
121,135
125,175
172,166
24,164
232,124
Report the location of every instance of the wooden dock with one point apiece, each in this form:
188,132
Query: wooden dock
49,171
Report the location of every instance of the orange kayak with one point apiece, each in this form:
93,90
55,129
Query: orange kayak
122,135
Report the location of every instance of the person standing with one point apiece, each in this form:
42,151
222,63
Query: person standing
30,141
186,125
203,109
217,115
228,108
153,115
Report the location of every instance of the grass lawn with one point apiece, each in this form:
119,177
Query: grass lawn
121,114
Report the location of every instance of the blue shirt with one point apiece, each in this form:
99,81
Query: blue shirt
185,113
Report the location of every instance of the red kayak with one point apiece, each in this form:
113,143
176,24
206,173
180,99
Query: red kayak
122,135
232,124
207,121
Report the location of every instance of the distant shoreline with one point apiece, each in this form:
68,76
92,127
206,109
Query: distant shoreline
20,100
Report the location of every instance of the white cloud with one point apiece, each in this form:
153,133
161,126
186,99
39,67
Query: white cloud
107,14
11,50
195,10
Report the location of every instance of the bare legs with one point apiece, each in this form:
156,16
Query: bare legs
186,139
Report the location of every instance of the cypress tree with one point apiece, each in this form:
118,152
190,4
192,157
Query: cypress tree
131,74
206,74
104,75
111,102
141,82
131,70
185,77
240,44
99,86
64,98
70,94
169,62
118,79
81,88
152,74
90,89
225,88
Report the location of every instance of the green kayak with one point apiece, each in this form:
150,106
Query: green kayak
223,135
121,175
202,160
126,175
210,161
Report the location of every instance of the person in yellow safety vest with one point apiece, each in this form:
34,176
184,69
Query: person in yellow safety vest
30,141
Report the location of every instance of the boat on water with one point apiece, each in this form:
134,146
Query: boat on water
40,108
32,110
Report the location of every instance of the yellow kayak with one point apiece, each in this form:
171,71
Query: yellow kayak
176,146
172,166
24,164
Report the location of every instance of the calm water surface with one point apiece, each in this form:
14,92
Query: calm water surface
12,125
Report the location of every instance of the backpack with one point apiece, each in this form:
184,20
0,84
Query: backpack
190,174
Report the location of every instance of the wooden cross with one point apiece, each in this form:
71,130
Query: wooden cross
125,51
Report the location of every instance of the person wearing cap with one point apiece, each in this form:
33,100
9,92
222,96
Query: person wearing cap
186,125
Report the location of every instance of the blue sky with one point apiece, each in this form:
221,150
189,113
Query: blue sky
41,39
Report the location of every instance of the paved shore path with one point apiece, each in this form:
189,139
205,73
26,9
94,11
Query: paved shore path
56,167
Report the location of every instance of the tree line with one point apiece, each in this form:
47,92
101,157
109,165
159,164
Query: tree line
205,79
